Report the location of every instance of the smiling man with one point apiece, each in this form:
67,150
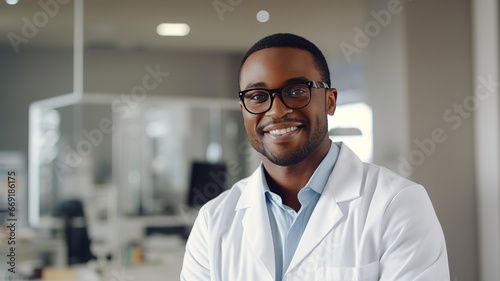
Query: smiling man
312,210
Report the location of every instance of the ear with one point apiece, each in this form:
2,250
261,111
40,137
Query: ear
331,100
243,110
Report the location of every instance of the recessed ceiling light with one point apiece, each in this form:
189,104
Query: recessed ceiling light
263,16
11,2
172,29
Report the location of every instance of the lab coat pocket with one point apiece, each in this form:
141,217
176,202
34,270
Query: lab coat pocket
367,272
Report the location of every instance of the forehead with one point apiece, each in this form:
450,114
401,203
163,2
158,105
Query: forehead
273,66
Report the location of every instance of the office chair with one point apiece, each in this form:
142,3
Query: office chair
75,230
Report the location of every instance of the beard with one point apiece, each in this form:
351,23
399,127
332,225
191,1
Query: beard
290,157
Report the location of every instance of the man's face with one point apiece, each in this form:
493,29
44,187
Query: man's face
282,135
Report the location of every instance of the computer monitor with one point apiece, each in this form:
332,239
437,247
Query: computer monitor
207,181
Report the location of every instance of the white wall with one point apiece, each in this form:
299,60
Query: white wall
439,78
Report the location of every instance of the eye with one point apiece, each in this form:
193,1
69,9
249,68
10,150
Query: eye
297,91
256,96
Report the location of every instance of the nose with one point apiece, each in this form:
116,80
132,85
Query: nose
278,109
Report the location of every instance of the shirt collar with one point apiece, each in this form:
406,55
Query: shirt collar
319,178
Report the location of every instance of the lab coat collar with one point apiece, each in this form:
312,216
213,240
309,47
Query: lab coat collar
344,184
345,180
256,225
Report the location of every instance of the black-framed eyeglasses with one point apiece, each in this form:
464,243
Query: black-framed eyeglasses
293,96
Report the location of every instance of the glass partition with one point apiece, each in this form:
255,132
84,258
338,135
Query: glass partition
156,145
91,150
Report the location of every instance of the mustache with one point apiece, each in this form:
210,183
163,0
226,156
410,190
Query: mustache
260,127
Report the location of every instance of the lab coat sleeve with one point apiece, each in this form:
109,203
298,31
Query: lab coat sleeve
195,265
413,245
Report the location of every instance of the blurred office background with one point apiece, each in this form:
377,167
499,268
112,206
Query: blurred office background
106,133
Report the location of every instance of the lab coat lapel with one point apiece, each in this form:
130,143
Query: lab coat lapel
256,225
343,184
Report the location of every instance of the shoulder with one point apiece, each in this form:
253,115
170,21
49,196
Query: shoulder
385,178
386,185
372,180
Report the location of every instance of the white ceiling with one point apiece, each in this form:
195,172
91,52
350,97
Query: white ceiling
132,24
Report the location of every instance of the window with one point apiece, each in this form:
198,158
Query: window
352,124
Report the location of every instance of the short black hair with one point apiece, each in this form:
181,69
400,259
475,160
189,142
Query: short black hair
292,41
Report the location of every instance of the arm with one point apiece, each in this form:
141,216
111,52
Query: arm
413,245
195,266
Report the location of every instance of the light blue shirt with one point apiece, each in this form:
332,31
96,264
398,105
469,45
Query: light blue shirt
287,226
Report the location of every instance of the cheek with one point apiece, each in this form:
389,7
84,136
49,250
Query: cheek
317,116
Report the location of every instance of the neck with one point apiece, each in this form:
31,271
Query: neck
287,181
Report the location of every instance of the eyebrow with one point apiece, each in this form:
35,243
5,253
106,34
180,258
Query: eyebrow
289,81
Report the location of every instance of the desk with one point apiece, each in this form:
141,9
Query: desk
130,229
52,248
161,238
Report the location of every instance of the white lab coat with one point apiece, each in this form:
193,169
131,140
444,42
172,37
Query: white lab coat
369,224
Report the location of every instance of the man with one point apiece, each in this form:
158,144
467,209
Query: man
312,210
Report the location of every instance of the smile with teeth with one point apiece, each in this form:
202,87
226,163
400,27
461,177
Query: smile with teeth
283,131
